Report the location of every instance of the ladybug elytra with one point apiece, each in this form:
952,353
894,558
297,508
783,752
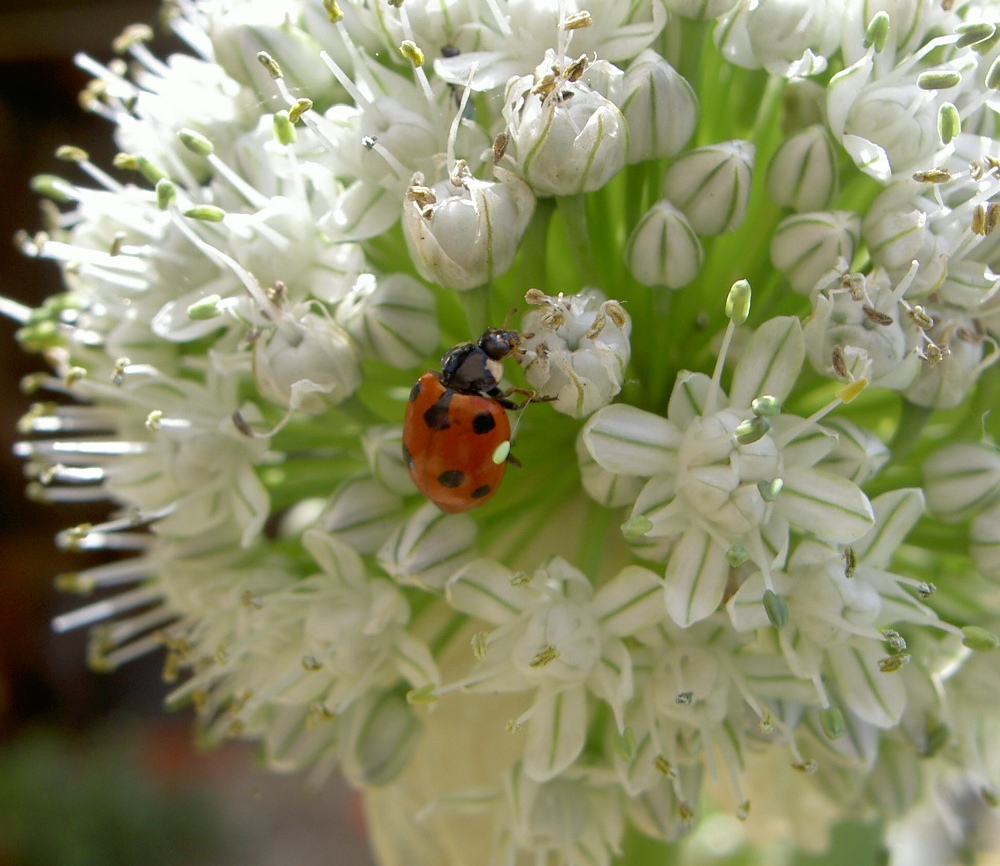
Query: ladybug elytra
455,421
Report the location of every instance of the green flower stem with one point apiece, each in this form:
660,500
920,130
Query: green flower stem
912,420
533,271
573,210
476,304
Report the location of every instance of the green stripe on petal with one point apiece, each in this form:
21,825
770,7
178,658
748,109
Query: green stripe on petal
696,577
771,362
828,506
629,441
558,730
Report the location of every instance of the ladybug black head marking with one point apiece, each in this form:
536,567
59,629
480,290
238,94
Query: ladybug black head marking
475,367
499,343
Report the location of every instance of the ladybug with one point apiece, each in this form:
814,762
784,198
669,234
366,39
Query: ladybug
455,421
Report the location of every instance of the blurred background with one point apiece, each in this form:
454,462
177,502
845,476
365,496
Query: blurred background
92,768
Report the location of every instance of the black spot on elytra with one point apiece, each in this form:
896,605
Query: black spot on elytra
407,458
452,478
483,423
415,391
437,416
480,492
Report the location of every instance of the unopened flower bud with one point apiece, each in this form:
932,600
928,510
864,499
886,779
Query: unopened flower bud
308,364
462,237
803,173
712,185
663,249
429,548
984,541
893,228
567,139
362,514
578,350
660,106
960,478
391,318
806,247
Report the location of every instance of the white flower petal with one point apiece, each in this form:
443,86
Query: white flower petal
483,589
557,733
629,602
629,441
771,362
414,661
896,513
696,577
876,697
429,547
830,507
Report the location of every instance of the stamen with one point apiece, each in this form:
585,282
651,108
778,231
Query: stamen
91,613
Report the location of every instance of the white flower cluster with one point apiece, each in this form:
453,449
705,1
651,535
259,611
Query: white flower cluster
704,564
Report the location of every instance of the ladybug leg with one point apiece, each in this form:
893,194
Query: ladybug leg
501,398
513,461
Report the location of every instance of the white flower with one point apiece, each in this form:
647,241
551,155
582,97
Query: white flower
803,173
722,477
559,639
464,232
786,37
578,350
807,246
564,137
660,107
664,249
307,363
711,185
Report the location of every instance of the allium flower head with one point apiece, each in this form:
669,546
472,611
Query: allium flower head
734,265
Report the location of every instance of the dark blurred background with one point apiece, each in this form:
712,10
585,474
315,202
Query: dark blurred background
92,769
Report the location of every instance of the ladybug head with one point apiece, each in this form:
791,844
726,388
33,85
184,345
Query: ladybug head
498,343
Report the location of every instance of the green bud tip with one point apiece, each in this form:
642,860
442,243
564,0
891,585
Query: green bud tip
949,122
501,453
284,129
973,33
993,75
152,172
270,64
751,430
736,555
769,490
423,695
166,192
204,308
51,186
207,212
636,527
777,610
832,721
411,51
766,406
333,11
301,106
738,302
979,639
68,153
877,32
939,79
195,142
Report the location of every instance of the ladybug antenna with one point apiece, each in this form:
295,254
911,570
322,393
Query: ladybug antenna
507,318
